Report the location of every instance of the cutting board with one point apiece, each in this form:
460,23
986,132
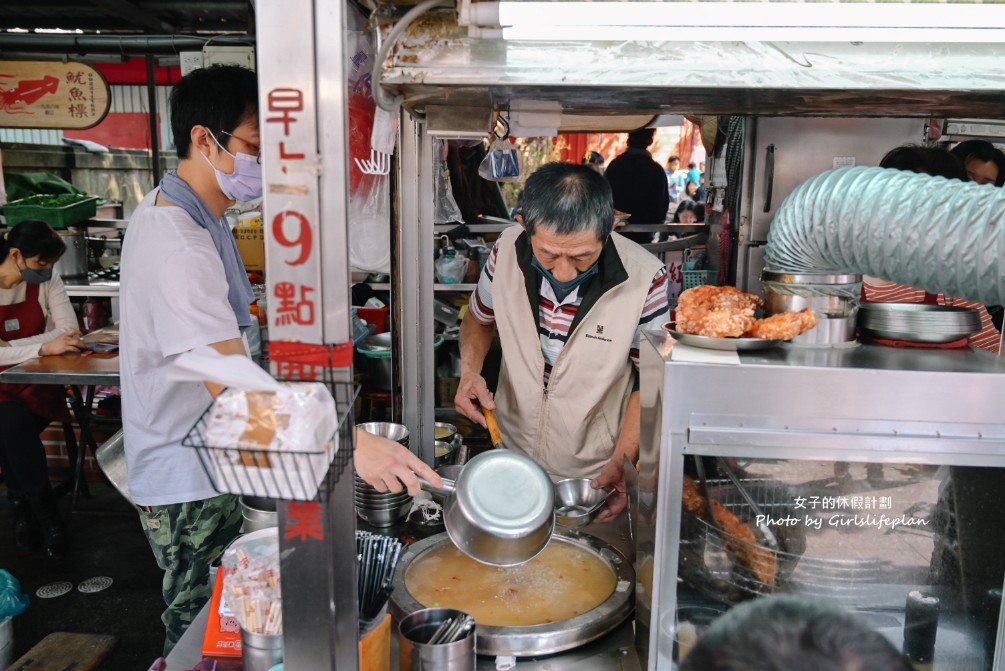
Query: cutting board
63,651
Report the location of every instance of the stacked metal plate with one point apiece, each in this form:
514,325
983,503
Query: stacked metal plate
917,322
380,509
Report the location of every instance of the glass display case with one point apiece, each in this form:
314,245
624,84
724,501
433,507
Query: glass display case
864,475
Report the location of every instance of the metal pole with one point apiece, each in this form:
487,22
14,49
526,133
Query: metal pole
155,144
303,115
415,280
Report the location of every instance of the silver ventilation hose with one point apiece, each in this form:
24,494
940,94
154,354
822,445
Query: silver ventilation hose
931,233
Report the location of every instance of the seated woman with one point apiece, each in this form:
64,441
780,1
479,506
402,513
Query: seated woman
36,319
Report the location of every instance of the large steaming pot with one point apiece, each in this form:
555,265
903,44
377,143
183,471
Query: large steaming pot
540,639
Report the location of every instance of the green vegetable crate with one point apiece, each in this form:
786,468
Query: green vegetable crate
59,211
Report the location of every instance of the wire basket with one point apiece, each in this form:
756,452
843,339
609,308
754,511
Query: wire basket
296,475
731,569
694,278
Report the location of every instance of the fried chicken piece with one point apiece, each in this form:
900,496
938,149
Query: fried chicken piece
715,323
783,326
716,312
738,538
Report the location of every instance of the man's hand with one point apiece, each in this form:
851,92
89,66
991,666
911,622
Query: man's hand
387,465
470,389
612,475
64,342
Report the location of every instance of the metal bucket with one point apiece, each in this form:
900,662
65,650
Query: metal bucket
258,513
834,297
416,654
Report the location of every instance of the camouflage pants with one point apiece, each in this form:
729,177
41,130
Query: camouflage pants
185,538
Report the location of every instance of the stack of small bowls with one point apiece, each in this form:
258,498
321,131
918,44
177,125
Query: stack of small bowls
382,509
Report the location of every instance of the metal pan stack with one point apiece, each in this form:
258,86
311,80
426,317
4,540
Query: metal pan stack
917,322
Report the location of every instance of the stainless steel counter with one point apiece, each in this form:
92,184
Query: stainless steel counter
612,652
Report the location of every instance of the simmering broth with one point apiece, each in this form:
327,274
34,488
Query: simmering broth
561,582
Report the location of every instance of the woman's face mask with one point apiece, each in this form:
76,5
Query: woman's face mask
35,275
245,183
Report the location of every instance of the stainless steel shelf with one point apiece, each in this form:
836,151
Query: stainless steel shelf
385,286
99,290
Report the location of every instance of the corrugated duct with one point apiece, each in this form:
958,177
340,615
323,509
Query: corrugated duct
931,233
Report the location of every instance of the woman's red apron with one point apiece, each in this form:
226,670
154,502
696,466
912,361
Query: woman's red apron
23,320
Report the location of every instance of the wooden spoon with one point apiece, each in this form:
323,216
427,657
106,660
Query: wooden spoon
493,425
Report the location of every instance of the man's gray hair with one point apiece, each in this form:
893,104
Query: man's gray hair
566,198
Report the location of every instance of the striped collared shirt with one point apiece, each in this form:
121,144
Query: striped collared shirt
555,317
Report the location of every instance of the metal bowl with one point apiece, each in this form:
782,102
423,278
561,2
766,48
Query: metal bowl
576,502
379,504
384,517
542,639
382,503
443,453
396,432
444,431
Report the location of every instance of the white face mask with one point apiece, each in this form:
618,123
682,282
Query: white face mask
245,183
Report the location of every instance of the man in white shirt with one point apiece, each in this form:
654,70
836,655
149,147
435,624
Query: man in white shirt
183,286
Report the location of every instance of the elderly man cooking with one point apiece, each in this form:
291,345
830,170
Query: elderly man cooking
569,299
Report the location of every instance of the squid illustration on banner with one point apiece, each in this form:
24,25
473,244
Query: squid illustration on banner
52,94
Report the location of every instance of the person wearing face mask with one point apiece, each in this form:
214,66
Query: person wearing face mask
569,299
183,286
36,319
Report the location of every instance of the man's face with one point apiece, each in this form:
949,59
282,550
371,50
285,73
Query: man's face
244,140
565,256
674,165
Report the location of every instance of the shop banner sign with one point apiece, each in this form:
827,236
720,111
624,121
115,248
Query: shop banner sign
52,94
291,166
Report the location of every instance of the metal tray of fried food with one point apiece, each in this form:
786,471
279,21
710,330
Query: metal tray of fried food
725,344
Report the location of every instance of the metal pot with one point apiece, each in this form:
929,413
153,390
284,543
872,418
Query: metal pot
542,639
258,513
72,265
500,510
834,297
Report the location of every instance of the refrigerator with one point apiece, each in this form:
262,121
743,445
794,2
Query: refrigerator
783,152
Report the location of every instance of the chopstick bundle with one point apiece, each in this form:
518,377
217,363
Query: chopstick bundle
377,558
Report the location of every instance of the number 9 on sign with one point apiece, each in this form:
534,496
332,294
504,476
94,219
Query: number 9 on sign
290,221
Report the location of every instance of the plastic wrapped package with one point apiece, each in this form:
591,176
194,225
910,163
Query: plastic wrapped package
260,437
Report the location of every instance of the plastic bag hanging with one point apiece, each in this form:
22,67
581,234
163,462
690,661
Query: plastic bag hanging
502,162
